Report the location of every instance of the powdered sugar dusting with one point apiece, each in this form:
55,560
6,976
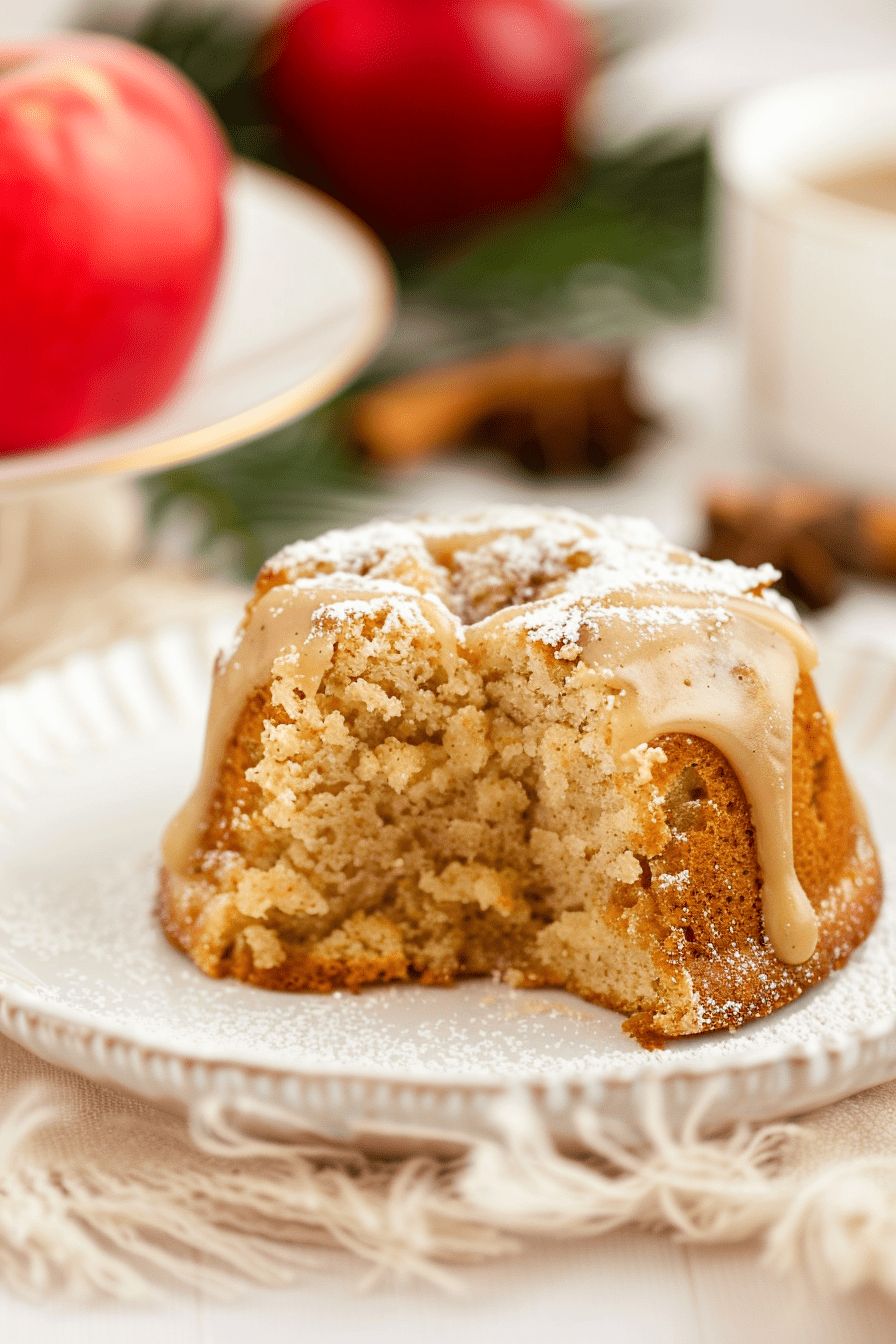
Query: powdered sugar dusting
479,564
373,594
399,611
357,550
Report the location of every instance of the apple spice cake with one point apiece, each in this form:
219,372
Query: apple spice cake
528,744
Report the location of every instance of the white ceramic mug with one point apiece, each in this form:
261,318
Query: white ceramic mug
809,277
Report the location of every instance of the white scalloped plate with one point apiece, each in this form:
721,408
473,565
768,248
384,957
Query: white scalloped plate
96,754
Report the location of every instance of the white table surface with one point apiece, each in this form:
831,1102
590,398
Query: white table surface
622,1289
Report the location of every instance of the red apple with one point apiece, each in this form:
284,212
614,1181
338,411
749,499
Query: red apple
425,112
111,232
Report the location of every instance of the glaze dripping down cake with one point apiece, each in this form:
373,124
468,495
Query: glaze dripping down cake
527,744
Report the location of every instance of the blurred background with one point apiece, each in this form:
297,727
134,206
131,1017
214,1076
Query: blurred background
565,331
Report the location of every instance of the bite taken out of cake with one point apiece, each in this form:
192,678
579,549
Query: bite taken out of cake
528,744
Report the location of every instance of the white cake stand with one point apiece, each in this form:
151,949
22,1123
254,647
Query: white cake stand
306,296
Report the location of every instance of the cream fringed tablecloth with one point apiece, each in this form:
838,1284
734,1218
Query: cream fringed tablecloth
103,1194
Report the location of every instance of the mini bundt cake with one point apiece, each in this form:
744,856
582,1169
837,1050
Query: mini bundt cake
527,744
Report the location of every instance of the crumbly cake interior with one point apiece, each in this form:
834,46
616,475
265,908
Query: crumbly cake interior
443,799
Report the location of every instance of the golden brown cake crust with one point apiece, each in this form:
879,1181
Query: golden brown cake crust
435,839
835,861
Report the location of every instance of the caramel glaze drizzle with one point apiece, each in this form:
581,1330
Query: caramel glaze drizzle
730,678
719,667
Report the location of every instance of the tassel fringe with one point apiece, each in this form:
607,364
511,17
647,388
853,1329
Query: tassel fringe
230,1209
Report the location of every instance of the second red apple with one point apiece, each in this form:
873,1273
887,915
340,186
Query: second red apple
422,113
